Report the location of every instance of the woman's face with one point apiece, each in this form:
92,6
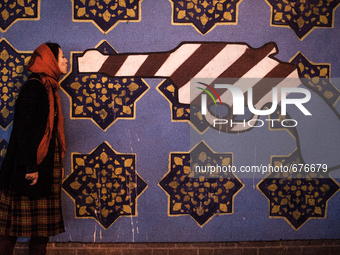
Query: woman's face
62,62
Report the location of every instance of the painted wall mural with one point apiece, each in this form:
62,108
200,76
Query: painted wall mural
114,195
199,197
102,98
204,15
302,16
14,75
107,13
13,11
135,131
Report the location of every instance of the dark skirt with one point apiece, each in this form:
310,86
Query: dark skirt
25,217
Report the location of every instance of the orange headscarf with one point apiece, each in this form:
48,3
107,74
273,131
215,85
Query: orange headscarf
44,63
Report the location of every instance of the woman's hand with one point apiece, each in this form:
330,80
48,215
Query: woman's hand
33,177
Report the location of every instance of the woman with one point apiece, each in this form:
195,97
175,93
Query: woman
31,172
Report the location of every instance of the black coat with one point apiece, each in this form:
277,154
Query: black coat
29,124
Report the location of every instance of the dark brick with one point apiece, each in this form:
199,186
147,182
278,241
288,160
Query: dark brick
229,244
152,245
115,245
336,242
206,251
183,252
272,243
185,245
329,242
160,252
67,244
249,251
315,250
334,250
91,251
90,245
229,251
271,251
294,250
206,245
296,243
290,247
61,252
251,244
137,251
111,251
316,242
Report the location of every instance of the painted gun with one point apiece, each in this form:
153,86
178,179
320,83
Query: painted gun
238,62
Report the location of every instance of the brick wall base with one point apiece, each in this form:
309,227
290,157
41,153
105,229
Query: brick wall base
291,247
